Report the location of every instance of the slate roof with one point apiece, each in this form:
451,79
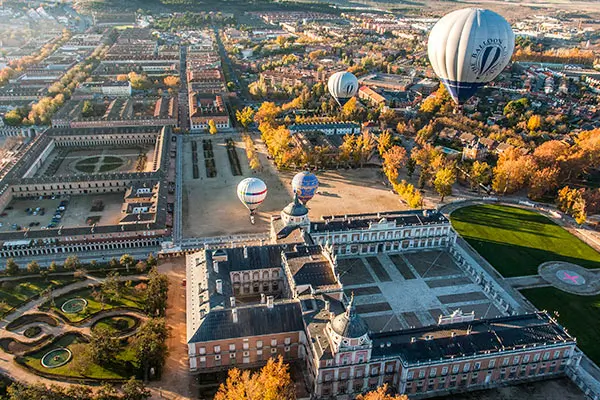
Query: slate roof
363,221
258,257
252,321
470,338
309,266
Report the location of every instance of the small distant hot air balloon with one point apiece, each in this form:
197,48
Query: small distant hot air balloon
342,86
305,185
469,48
252,192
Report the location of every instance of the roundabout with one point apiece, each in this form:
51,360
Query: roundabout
74,306
570,278
56,358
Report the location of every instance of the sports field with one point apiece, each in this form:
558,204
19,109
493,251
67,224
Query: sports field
516,241
580,314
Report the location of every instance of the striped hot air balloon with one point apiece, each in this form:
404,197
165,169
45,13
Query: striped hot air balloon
469,48
252,192
305,185
342,86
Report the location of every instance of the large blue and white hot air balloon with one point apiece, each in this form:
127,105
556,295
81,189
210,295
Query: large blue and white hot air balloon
252,192
469,48
305,185
342,86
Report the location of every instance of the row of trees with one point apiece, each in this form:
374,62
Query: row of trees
251,153
131,390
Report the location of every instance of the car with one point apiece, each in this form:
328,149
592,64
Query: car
3,214
31,224
1,224
61,208
58,216
9,208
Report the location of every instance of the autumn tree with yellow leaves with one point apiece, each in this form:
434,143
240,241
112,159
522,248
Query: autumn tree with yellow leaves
272,382
381,393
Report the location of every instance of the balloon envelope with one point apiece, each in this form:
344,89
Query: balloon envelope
342,86
469,48
305,185
252,192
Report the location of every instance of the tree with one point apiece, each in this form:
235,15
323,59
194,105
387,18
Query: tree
13,117
444,179
88,109
480,174
350,109
11,267
384,142
272,382
141,266
212,127
72,263
534,123
150,349
543,181
267,113
512,171
245,117
111,287
126,261
33,267
172,81
122,78
135,390
103,346
393,160
571,201
151,261
53,267
381,393
156,293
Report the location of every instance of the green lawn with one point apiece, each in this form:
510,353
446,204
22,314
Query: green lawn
579,314
121,368
516,241
130,298
13,293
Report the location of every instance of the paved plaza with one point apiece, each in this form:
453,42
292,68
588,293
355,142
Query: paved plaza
400,291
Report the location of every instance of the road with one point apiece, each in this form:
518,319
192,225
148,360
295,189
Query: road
178,207
184,120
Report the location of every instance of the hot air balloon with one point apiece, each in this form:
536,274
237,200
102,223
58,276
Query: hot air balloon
469,48
305,185
252,192
342,86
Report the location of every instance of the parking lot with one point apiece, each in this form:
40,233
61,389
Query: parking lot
45,213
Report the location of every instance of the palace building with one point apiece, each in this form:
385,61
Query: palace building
287,298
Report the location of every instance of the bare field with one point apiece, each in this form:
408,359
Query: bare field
211,206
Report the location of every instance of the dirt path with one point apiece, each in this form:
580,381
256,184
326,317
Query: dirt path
176,382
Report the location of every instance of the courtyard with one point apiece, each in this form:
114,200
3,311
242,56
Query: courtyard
400,291
97,159
77,211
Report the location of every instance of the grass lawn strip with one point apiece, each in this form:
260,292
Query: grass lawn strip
579,314
15,293
516,241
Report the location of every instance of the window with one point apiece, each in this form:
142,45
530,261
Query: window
477,366
273,342
492,364
217,349
344,375
218,357
467,367
455,369
526,358
389,368
411,374
516,360
287,340
273,349
202,359
433,372
536,357
359,373
547,355
361,358
556,354
259,352
259,344
327,377
246,346
202,350
286,348
422,374
444,370
231,355
246,353
505,361
232,347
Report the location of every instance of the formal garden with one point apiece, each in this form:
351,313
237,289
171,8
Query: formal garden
86,322
516,242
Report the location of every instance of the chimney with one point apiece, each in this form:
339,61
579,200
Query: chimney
232,301
326,305
245,252
219,283
263,298
234,315
269,301
216,266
